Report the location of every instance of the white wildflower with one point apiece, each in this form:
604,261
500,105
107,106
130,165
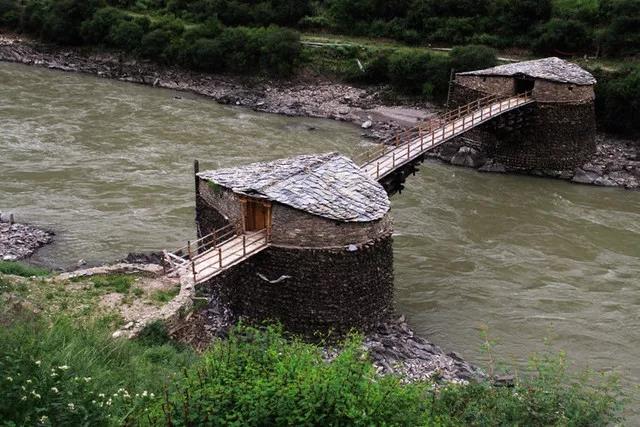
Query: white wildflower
44,419
10,379
101,395
86,379
23,398
63,367
38,362
152,395
145,394
71,406
29,381
54,389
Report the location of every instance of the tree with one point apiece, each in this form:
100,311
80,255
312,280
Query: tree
472,57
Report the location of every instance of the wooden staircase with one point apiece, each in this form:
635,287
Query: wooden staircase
410,145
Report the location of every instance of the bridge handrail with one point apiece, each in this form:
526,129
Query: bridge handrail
433,125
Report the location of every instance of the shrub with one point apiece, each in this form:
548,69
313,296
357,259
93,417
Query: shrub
62,374
206,55
260,378
618,100
472,57
279,51
97,29
63,20
20,269
126,35
114,282
410,70
564,36
9,13
154,44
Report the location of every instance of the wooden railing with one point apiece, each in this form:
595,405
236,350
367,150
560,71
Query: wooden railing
212,253
216,259
413,142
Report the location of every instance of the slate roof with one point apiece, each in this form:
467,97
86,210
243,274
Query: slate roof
553,69
329,185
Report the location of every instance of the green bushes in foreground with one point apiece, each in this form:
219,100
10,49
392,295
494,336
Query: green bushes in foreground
61,374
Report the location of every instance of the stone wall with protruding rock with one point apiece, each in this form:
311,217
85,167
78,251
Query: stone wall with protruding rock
313,290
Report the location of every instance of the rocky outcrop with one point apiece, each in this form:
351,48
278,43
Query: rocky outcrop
19,241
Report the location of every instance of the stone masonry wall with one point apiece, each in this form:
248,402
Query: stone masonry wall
311,290
215,208
293,227
555,135
487,84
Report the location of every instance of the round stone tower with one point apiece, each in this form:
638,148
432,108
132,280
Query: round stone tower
329,263
557,132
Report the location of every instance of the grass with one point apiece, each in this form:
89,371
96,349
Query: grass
21,269
120,283
164,296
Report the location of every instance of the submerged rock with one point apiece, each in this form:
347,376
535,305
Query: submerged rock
469,157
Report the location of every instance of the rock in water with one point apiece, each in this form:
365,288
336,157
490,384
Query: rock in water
19,241
367,124
469,157
584,177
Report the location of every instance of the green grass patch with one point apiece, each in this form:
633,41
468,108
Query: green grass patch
20,269
120,283
164,297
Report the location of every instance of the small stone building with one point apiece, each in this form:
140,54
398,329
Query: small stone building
329,264
557,132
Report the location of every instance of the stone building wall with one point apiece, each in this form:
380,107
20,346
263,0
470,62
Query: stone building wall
487,84
313,290
292,227
558,132
216,208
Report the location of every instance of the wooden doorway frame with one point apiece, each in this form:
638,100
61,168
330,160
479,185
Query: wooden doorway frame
249,206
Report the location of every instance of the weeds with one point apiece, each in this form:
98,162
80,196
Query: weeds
120,283
21,269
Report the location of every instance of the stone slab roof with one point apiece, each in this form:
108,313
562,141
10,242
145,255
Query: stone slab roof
553,69
328,185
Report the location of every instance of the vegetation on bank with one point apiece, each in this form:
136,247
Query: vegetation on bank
61,367
260,37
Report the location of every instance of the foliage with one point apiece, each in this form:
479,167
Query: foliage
419,72
114,282
260,378
618,100
9,13
21,269
563,36
63,374
472,57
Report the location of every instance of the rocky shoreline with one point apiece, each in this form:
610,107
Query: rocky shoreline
19,241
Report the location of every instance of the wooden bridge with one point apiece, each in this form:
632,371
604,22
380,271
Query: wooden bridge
214,253
411,145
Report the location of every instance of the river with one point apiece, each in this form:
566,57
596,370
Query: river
108,166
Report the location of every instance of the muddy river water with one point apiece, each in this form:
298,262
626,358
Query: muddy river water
108,166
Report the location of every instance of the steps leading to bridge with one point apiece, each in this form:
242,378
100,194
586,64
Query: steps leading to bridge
415,142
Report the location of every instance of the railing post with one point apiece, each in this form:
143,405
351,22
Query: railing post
394,159
408,150
421,139
377,169
220,257
244,245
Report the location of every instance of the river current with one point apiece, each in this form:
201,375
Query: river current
108,167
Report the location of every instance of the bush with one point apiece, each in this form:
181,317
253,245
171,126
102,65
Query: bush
618,100
62,374
96,30
412,72
154,44
206,55
126,35
20,269
564,36
472,57
63,20
279,50
9,13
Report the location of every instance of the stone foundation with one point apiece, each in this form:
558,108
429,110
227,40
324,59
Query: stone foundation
313,290
543,136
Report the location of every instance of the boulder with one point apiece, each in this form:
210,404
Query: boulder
367,124
469,157
493,166
584,177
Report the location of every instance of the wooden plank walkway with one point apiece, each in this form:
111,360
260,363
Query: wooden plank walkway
419,140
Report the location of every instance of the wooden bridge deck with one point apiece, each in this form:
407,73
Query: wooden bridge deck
417,141
214,260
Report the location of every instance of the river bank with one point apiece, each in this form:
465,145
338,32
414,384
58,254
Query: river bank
19,241
616,162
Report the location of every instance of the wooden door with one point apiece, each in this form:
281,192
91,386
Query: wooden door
257,215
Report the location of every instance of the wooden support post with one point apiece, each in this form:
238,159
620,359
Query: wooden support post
394,159
377,169
220,257
215,238
244,245
421,139
408,150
